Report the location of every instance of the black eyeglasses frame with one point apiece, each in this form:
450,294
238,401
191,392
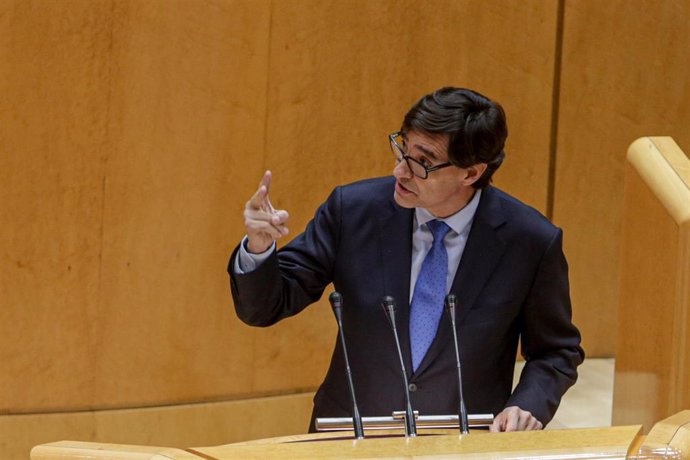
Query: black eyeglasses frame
398,149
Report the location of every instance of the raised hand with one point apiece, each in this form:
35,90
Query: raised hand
264,224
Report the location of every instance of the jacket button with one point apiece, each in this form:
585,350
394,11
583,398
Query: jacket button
412,387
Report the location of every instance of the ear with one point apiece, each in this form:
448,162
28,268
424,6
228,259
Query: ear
474,172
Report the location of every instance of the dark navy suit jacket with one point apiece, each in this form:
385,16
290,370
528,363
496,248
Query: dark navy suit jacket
512,283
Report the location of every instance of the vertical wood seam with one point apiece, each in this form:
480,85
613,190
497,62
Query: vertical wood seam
105,152
264,153
268,83
555,107
104,155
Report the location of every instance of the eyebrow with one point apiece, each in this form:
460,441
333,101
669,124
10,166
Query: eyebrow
428,152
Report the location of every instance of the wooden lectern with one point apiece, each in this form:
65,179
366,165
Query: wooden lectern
669,438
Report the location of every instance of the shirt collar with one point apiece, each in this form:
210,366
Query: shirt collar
459,221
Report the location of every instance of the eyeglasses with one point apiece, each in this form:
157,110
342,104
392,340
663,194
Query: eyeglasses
418,168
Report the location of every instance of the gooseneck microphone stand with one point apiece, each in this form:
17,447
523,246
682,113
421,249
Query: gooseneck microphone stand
336,300
451,305
388,304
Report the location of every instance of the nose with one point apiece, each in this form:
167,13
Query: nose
402,170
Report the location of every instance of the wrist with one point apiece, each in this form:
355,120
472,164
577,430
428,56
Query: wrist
253,247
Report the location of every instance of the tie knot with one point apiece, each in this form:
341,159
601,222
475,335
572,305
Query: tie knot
438,228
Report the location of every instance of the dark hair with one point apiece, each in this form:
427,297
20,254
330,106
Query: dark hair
476,126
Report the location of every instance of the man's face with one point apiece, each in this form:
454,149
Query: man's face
444,191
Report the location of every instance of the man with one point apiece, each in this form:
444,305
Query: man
435,227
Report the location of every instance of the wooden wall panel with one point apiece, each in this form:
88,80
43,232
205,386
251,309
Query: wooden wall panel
342,76
131,135
53,124
624,75
186,146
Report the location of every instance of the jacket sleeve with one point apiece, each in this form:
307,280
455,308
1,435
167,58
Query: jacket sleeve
293,277
549,340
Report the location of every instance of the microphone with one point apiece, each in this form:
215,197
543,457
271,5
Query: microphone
336,300
451,305
388,304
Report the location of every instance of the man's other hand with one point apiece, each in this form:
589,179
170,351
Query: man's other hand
263,223
515,419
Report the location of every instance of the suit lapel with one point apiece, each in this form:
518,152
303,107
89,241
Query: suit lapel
396,259
482,252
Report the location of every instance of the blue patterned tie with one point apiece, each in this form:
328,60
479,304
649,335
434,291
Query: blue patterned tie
429,292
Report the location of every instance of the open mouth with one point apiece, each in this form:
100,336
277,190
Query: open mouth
400,188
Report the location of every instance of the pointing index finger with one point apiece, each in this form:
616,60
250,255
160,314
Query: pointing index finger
260,200
266,182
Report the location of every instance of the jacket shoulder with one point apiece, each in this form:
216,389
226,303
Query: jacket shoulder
519,215
374,185
366,193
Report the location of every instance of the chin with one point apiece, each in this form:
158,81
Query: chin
404,202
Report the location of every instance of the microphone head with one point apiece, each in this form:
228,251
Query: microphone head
388,302
388,305
451,306
451,301
336,299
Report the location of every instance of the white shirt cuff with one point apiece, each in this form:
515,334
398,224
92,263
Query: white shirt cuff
246,262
